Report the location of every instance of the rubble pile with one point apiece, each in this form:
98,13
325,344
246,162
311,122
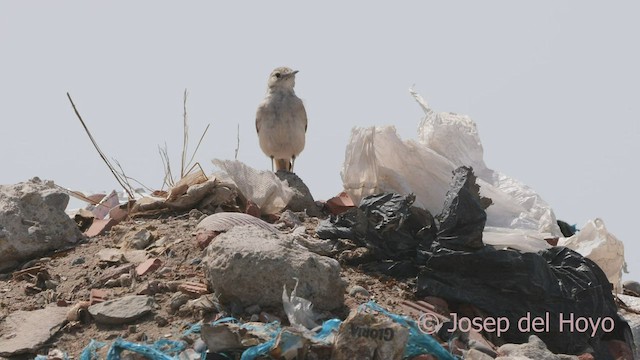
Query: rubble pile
244,264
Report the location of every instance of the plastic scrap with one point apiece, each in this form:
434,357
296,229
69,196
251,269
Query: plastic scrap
419,342
90,352
376,161
299,310
163,349
264,188
462,220
389,226
596,243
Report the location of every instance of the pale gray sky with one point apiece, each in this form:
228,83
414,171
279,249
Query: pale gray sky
552,86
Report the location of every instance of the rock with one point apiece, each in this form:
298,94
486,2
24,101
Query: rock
136,256
138,239
249,265
110,255
78,261
302,199
177,300
535,349
474,354
632,286
222,222
26,331
161,321
318,246
33,221
289,219
123,310
359,290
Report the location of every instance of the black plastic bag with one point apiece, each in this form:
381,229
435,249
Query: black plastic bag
505,283
462,220
385,223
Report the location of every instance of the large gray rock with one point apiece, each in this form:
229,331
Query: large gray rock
26,331
123,310
248,265
33,221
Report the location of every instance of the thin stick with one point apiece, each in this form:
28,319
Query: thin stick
127,178
95,144
185,134
238,143
164,156
198,146
123,176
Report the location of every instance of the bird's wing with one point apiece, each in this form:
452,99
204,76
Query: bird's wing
260,113
302,111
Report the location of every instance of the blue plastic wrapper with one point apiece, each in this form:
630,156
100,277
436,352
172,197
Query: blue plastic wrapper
419,342
329,327
163,349
90,352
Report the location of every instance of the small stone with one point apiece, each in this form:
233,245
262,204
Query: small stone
110,255
254,318
78,261
132,329
161,321
253,309
632,286
177,300
138,240
195,214
199,346
359,290
122,310
265,317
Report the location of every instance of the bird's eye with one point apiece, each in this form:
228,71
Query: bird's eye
277,75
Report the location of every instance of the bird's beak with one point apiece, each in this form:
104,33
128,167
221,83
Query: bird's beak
292,73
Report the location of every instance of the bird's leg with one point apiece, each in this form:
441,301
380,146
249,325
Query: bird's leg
272,163
293,160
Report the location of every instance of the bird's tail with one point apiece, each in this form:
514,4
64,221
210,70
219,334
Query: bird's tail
283,164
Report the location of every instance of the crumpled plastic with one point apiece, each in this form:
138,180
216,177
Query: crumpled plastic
264,188
595,242
377,161
299,310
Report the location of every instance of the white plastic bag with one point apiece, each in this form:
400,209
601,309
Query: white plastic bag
378,160
593,241
264,188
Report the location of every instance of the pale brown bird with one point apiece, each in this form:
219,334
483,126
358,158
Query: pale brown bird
281,120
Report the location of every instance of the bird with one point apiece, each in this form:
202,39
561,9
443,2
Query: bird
281,120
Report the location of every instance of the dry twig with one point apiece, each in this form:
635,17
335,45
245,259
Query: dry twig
120,180
238,143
